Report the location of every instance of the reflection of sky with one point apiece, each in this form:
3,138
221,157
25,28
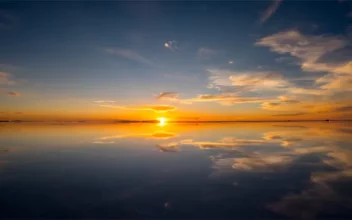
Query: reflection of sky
143,170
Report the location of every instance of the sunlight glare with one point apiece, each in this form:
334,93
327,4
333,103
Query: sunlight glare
162,121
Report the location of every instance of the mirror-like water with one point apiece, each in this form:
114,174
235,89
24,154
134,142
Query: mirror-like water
237,170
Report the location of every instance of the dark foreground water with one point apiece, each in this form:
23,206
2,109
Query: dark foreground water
146,171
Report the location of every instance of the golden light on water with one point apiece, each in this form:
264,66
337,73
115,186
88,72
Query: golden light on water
162,121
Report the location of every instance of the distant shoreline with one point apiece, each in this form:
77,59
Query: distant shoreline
169,122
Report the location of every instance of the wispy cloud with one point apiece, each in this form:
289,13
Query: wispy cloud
13,93
168,96
347,108
309,49
246,80
291,114
104,101
155,108
225,99
129,54
270,11
6,79
206,53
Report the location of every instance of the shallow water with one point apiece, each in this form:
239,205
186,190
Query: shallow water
234,170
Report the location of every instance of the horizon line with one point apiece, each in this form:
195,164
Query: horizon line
116,121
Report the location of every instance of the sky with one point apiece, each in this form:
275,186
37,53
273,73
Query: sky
190,60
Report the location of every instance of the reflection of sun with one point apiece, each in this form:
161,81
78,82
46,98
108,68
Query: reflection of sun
162,121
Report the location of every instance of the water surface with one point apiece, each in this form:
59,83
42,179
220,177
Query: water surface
227,171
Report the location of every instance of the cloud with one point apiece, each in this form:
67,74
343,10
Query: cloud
168,96
309,49
259,80
224,99
206,53
347,108
129,54
171,44
13,93
270,11
287,99
243,81
104,101
282,103
6,79
156,108
291,114
313,53
327,54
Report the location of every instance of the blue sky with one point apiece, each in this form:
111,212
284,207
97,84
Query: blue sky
67,55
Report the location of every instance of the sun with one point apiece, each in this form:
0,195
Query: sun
162,121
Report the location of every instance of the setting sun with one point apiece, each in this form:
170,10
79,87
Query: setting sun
162,121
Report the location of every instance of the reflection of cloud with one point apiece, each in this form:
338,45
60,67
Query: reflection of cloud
270,10
156,108
284,139
156,135
225,142
169,147
340,159
307,204
129,54
261,163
